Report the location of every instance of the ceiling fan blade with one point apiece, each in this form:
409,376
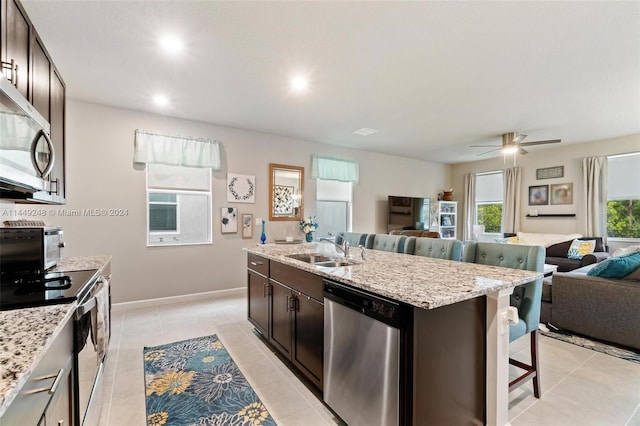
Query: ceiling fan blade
484,146
522,151
493,150
541,142
519,138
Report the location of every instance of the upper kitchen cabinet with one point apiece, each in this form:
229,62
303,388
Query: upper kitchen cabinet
28,66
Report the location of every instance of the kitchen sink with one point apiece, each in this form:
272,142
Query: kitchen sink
322,260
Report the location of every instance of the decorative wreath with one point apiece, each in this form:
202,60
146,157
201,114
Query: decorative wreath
235,194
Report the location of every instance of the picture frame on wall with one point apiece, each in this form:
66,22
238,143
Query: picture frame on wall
241,188
539,195
562,193
229,220
247,225
550,172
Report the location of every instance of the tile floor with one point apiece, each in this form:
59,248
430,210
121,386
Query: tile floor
580,387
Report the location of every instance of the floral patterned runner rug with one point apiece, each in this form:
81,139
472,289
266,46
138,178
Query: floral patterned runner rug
595,345
195,382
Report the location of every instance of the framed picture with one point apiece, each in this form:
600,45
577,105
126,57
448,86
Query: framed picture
539,195
562,193
282,200
229,220
247,225
241,188
550,172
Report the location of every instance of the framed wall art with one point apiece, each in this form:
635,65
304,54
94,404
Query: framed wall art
241,188
562,193
539,195
550,172
229,220
283,200
247,225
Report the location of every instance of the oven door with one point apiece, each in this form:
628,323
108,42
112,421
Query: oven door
89,356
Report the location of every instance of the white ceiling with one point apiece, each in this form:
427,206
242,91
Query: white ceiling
432,77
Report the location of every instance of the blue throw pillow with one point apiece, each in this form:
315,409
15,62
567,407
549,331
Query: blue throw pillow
616,267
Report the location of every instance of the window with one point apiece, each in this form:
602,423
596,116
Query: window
623,203
489,198
333,207
179,205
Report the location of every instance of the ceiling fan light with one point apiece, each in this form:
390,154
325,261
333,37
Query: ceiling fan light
509,149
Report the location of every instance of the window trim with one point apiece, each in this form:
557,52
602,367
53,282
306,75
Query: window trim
478,203
619,239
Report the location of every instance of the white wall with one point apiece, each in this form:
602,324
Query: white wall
569,156
100,174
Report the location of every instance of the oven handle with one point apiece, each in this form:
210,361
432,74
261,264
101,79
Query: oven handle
91,303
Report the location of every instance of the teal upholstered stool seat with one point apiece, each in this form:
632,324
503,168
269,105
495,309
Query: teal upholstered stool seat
438,248
392,243
526,298
354,238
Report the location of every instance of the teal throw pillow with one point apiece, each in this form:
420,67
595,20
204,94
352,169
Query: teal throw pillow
616,267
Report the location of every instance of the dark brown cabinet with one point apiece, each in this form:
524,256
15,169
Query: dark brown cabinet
294,313
28,65
258,290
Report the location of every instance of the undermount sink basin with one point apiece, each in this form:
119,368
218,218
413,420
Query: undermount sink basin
321,260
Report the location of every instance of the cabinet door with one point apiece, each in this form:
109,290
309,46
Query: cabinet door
60,409
16,45
40,78
281,302
57,120
308,337
258,307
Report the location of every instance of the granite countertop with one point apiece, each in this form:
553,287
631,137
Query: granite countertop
419,281
26,334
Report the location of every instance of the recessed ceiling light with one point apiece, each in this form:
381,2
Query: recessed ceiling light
171,44
299,83
365,131
160,100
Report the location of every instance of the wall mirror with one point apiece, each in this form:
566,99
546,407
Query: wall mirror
287,189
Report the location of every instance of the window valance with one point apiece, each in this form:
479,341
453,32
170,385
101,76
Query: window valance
330,168
175,150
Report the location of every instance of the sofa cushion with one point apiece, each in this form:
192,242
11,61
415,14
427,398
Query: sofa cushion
544,240
626,250
617,267
579,248
635,275
563,263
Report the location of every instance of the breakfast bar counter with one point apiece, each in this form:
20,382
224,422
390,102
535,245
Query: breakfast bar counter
460,318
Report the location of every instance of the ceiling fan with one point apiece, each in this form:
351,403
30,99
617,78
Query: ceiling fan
512,143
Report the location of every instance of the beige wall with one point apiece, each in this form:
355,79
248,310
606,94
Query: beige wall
100,174
569,156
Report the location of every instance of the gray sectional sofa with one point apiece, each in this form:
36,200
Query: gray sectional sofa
601,308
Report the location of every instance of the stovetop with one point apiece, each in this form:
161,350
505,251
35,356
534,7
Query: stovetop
24,290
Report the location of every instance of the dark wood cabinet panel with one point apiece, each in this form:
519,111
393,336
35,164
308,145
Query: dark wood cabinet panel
308,338
302,281
40,79
258,303
281,302
258,264
58,132
16,44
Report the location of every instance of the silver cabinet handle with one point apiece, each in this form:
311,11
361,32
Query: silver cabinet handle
256,263
54,385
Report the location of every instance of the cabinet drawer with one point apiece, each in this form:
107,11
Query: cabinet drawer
30,403
302,281
258,264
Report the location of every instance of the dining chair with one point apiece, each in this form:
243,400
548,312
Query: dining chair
354,238
438,248
392,243
526,298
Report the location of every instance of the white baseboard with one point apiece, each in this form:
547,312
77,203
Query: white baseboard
174,299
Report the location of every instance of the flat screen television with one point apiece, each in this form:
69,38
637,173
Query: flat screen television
408,213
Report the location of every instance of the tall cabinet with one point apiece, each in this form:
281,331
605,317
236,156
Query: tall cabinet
448,219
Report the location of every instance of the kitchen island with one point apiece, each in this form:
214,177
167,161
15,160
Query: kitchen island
28,333
447,299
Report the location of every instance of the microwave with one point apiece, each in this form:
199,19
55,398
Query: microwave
30,249
26,151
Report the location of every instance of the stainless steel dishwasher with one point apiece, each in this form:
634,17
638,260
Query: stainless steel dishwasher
362,356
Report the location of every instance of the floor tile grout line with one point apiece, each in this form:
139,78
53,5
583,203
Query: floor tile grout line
636,411
566,376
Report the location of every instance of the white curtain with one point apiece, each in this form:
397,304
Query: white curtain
594,196
331,168
469,206
511,200
176,150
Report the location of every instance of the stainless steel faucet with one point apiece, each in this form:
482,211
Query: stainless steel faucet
344,247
